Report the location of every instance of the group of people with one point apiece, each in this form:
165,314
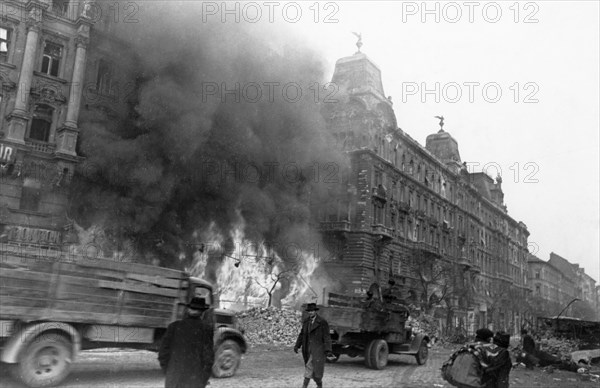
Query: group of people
186,354
495,355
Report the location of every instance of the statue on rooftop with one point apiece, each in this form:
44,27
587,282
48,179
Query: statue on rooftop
441,118
359,42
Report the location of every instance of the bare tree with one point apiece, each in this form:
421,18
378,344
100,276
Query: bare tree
277,271
434,280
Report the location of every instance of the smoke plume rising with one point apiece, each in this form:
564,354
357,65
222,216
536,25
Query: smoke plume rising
187,157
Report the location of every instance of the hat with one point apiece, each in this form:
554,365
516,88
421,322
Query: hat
198,304
311,307
502,339
484,334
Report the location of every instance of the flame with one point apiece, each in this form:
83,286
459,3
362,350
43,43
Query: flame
246,275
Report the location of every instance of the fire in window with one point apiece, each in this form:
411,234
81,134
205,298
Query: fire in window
51,59
41,123
4,43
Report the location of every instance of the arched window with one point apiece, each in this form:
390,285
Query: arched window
41,123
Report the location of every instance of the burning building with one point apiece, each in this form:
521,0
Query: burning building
108,128
142,131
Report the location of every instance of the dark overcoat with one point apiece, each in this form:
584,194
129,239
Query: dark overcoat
315,341
186,353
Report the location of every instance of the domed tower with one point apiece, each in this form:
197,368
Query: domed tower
444,147
361,113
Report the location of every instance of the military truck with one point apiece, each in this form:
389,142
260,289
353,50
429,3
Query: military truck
372,326
53,308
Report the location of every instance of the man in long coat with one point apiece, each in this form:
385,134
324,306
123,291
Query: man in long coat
315,341
186,353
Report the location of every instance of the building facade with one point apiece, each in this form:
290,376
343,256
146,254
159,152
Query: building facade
52,80
556,283
415,215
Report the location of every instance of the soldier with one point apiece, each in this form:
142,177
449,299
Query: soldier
315,341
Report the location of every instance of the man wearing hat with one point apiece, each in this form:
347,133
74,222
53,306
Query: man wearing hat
483,335
186,353
315,341
496,376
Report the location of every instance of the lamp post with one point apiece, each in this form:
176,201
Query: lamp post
563,310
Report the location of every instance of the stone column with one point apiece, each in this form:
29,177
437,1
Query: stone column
19,117
76,83
66,137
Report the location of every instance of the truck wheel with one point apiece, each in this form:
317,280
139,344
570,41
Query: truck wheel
376,354
227,359
45,362
422,354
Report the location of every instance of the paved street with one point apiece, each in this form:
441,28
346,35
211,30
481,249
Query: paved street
276,368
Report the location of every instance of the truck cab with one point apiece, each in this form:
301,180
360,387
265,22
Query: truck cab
229,336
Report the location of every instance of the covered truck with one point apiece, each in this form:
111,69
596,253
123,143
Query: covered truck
373,327
52,308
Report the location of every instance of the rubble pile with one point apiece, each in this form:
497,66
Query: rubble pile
270,325
423,324
560,347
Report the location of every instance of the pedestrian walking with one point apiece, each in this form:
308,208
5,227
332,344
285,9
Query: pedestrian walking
186,353
315,341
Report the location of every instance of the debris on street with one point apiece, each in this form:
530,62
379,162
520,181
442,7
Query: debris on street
270,325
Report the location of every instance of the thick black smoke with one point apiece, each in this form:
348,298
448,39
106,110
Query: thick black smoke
183,158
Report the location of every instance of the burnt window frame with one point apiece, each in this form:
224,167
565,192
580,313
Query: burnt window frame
59,59
37,117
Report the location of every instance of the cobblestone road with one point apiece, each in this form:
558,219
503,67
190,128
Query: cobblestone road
281,368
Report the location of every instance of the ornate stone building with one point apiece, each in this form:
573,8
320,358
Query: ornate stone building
51,76
415,215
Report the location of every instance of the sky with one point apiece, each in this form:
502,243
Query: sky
518,85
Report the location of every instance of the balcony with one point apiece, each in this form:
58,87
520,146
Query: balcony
446,227
335,226
41,146
466,263
383,231
422,246
505,277
379,192
433,222
403,207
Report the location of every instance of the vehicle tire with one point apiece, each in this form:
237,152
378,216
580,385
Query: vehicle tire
45,361
227,359
331,360
377,353
423,353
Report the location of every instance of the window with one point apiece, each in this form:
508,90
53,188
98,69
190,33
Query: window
51,59
60,7
41,123
378,178
105,77
4,44
30,195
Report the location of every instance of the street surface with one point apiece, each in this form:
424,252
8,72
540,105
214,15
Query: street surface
266,367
